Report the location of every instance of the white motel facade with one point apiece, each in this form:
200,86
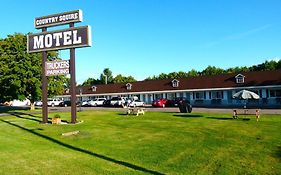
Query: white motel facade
201,91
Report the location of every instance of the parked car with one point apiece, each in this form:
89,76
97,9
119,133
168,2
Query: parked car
65,103
54,102
159,102
85,103
38,103
175,102
136,103
96,102
118,101
106,103
25,102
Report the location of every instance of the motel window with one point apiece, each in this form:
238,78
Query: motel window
171,95
158,96
240,80
217,95
199,95
181,94
275,93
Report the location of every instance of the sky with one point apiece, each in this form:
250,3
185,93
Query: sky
143,38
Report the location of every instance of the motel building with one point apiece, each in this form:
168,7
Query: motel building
201,91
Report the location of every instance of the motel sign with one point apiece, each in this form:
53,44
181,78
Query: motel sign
61,39
70,38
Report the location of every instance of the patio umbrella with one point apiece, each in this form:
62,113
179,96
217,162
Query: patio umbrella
245,95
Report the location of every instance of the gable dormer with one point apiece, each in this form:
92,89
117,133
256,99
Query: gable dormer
175,83
129,86
94,88
240,78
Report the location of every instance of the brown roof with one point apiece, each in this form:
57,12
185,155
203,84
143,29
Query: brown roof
261,78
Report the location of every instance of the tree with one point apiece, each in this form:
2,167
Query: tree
278,64
212,70
182,74
106,76
123,79
193,73
21,72
91,81
172,75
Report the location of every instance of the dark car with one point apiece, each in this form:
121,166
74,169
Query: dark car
159,102
176,101
67,103
106,103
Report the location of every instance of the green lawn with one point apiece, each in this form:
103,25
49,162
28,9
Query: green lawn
156,143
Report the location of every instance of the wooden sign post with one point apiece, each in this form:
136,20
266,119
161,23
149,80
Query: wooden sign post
71,38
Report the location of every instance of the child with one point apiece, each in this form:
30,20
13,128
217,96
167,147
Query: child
235,114
257,114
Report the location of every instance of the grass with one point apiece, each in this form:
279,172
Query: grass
156,143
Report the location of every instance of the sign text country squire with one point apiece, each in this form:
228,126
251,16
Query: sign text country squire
60,39
58,19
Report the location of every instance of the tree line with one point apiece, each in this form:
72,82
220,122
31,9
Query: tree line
106,77
210,70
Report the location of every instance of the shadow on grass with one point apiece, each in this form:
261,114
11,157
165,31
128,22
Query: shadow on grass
187,115
225,118
278,152
220,118
124,114
126,164
34,118
4,109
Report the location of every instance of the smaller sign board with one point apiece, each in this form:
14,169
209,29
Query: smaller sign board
58,19
57,67
60,39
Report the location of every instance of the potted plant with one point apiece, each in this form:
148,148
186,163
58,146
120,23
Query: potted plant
56,119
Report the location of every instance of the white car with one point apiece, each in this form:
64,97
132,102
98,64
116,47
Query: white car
85,103
25,102
118,101
54,102
38,103
136,103
96,102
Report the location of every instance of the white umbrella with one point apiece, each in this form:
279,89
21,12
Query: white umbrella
245,95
